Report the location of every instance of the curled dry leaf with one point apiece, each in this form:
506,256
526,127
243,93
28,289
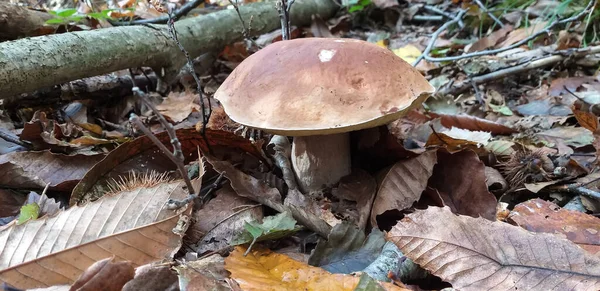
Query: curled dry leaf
361,188
150,277
472,123
36,169
461,182
403,184
477,254
542,216
105,275
263,270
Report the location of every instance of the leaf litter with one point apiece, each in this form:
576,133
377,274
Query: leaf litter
491,185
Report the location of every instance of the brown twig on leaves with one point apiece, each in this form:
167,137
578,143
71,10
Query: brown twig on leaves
557,57
436,34
490,14
177,155
546,30
436,10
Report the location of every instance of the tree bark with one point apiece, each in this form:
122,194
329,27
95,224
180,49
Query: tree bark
33,63
17,21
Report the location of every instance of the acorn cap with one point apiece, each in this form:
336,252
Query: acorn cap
318,86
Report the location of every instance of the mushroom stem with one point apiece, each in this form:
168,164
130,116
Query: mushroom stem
321,160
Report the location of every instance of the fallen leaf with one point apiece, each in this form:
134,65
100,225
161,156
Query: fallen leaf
36,169
562,86
477,254
135,226
361,188
456,139
105,275
409,52
491,40
268,271
522,33
538,215
178,105
472,123
203,274
403,184
272,227
569,135
152,277
347,250
223,217
461,182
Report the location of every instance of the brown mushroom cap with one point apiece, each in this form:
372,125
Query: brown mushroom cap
316,86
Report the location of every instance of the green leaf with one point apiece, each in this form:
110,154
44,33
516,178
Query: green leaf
57,21
76,18
66,12
367,283
356,8
502,109
28,212
272,227
53,12
96,15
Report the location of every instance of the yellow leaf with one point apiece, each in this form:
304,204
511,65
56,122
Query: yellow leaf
409,53
381,43
263,270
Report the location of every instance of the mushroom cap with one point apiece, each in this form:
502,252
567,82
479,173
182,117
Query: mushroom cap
318,86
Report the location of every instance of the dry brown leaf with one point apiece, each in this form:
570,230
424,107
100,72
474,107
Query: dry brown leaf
477,254
134,226
538,215
105,275
204,274
461,182
221,219
522,33
472,123
263,270
361,188
562,86
36,169
457,139
178,105
403,184
152,278
490,40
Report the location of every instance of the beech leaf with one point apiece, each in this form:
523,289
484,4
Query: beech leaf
477,254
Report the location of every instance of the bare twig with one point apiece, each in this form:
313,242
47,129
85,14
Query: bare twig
9,137
515,45
284,7
177,155
182,11
206,112
436,10
436,34
541,62
427,18
245,31
490,14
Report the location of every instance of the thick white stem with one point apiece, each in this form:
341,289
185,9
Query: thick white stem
321,160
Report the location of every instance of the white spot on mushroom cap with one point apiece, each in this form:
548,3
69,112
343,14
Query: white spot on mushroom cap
326,55
339,40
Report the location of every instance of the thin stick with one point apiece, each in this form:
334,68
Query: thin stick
547,30
436,34
541,62
436,10
177,155
245,31
284,7
9,137
190,66
490,14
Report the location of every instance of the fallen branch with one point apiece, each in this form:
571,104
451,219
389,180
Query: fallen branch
434,9
17,21
547,30
559,56
490,14
30,64
436,34
182,11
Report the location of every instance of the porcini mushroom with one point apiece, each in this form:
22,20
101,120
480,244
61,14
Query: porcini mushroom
318,90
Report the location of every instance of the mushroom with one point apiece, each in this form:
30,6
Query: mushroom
317,90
